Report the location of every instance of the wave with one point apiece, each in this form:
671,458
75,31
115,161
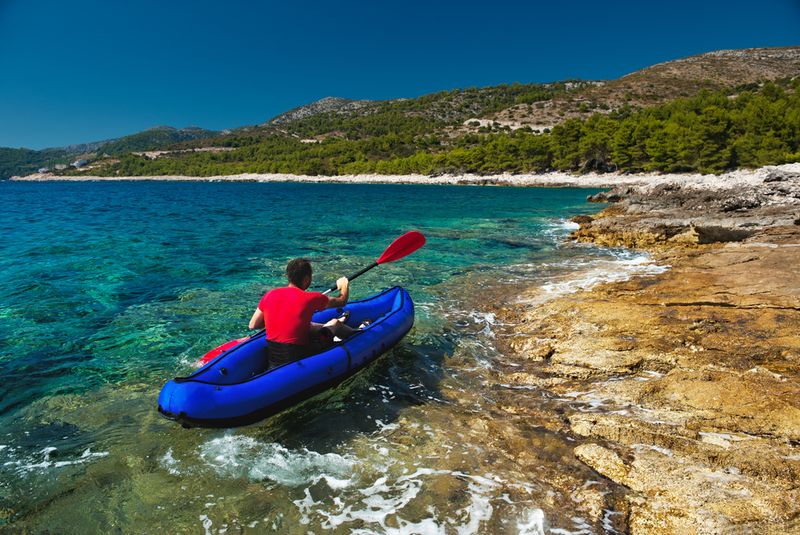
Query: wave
604,271
368,495
45,459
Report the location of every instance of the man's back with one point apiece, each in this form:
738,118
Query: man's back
287,313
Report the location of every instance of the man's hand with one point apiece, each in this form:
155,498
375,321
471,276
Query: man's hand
343,284
344,293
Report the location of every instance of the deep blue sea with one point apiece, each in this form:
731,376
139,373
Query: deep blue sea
108,289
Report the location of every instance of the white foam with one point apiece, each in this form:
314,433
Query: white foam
206,524
606,271
379,506
383,430
169,463
532,524
560,228
487,321
242,456
480,507
44,462
581,528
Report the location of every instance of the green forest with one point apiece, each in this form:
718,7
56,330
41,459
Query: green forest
710,133
153,138
26,161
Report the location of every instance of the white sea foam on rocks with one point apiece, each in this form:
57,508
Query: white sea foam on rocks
562,227
532,523
569,226
605,271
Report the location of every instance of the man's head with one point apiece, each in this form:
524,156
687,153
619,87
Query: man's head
298,271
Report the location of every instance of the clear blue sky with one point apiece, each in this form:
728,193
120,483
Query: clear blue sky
77,71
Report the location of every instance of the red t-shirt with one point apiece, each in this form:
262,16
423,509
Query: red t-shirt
287,313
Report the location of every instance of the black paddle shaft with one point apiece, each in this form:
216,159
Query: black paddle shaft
354,276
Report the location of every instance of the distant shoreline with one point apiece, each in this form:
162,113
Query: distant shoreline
556,179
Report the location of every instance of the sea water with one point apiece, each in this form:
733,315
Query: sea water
109,289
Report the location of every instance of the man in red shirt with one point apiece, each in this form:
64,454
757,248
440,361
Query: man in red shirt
287,314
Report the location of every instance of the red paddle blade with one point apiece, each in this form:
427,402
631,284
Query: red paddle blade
214,353
402,246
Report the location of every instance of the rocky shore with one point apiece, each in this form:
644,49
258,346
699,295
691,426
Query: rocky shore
684,387
745,178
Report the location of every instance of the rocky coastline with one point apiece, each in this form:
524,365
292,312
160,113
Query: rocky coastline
683,387
741,178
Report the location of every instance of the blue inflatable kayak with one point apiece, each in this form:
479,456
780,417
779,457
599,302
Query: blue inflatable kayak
236,388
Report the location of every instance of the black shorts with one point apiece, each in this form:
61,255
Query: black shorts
280,353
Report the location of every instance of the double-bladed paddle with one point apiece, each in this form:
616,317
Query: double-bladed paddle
399,248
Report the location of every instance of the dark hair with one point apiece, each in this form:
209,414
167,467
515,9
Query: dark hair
297,270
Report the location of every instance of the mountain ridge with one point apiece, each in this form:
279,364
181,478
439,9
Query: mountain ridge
323,105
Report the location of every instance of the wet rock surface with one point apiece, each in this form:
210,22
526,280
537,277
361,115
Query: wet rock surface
675,214
683,388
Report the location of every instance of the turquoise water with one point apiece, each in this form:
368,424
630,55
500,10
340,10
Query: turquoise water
109,289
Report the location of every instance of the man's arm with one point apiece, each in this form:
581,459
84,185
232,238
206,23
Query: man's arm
344,294
257,321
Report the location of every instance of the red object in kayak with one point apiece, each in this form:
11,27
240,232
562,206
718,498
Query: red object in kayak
214,353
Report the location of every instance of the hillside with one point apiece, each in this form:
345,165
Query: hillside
336,105
541,106
514,128
26,161
661,83
153,139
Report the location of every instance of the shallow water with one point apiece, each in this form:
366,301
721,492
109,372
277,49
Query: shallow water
109,289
